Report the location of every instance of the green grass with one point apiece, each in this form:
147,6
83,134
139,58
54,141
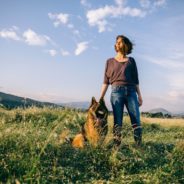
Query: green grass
31,151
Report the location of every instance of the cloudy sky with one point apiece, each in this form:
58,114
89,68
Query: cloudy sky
56,50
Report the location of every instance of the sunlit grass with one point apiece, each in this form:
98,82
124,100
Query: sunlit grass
167,122
33,150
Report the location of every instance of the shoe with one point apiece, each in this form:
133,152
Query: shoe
138,143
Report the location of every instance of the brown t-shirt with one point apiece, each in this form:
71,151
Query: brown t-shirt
121,73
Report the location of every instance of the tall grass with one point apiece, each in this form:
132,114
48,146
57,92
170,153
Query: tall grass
33,150
165,122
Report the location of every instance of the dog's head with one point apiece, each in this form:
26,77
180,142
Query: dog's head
99,109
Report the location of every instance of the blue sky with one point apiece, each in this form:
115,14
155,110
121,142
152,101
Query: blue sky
56,50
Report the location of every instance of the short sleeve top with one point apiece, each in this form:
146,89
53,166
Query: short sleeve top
121,73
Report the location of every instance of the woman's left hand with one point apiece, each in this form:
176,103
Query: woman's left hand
140,101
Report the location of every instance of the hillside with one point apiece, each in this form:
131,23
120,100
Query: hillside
157,110
76,105
10,101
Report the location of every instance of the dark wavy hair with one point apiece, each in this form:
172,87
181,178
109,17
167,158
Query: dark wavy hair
128,45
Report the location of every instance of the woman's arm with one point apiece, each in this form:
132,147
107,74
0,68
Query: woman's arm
139,95
103,90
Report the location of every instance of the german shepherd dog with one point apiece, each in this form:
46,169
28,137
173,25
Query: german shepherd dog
95,128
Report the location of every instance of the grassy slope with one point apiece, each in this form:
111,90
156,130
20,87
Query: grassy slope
32,151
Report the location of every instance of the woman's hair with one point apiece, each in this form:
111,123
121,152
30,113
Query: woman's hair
127,46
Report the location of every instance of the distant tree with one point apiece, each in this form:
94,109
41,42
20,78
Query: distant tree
156,115
167,116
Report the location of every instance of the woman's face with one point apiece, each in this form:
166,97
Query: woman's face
119,45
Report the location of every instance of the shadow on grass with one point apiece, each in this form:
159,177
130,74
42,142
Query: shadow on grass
64,164
148,157
67,164
72,165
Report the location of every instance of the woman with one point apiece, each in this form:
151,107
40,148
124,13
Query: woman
121,73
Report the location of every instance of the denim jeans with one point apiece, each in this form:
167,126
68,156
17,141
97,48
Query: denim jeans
125,96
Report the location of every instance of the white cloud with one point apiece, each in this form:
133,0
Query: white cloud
9,34
52,52
64,20
49,97
133,12
170,64
60,18
15,28
32,38
64,52
160,3
76,32
81,47
145,3
71,26
166,101
152,4
169,87
172,98
29,36
97,17
101,25
85,3
176,94
119,2
176,81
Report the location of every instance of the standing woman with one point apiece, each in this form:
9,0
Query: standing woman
121,73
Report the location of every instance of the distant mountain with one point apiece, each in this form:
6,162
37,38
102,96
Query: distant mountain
178,115
165,113
11,101
76,105
157,110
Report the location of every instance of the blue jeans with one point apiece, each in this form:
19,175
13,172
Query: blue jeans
125,96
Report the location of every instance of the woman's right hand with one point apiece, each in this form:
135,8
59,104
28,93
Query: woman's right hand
140,101
103,90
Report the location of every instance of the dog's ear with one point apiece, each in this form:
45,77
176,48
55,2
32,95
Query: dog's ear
93,101
102,104
101,101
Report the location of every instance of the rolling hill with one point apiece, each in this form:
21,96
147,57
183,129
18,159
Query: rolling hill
10,101
76,105
157,110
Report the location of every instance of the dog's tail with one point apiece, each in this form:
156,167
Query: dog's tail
78,141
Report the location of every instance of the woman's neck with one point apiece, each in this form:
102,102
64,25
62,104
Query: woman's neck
120,56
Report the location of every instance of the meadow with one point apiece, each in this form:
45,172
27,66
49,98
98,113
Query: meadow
33,149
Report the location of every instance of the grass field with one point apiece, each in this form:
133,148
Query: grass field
33,150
